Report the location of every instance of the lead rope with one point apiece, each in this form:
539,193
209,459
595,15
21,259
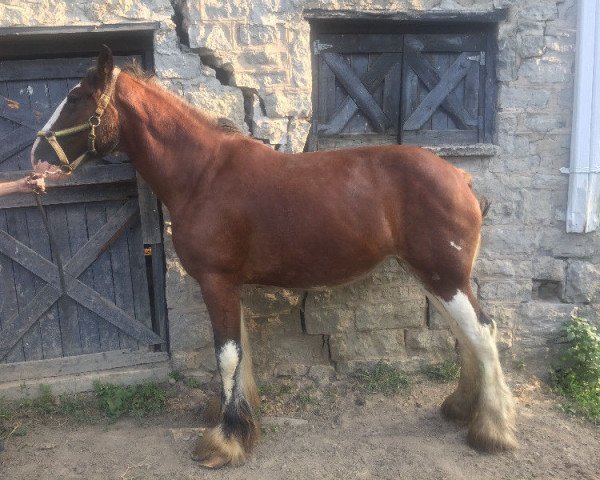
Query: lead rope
53,244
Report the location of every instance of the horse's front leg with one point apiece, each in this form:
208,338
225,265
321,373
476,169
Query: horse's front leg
233,438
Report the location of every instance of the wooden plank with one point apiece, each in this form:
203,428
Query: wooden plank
441,61
58,196
358,123
159,290
357,91
391,94
113,314
436,96
352,43
9,306
371,80
16,91
139,274
458,43
102,239
488,93
86,175
69,320
326,85
121,276
78,239
14,372
25,285
16,141
102,273
73,68
25,318
37,32
428,74
439,137
149,213
426,15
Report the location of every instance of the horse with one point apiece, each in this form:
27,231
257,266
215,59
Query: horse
243,213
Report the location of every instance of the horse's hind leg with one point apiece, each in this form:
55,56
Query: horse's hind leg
482,396
233,438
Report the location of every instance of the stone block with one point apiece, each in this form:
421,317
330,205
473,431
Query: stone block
264,58
545,70
319,320
437,341
274,130
531,46
297,135
522,97
261,301
508,290
546,123
373,345
435,320
292,104
220,101
257,34
549,268
406,314
583,282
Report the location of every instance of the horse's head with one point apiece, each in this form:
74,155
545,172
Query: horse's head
85,123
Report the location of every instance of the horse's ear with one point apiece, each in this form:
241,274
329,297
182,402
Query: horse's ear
104,65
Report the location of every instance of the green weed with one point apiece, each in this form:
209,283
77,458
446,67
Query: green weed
382,378
137,400
445,372
577,373
274,389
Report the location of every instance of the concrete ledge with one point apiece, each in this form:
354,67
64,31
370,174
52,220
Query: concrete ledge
85,382
475,150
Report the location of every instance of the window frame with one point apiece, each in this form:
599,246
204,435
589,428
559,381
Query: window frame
332,23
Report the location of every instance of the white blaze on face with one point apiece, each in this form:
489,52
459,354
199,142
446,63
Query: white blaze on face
228,362
49,124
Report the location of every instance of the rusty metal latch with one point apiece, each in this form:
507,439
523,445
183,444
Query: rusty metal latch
318,47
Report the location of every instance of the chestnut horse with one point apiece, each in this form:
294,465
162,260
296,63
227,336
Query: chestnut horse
243,213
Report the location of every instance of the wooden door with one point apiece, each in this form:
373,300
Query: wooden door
358,88
95,215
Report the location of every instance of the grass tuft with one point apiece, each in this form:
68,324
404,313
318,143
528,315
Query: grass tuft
444,372
382,378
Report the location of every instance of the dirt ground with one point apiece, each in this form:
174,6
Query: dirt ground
331,432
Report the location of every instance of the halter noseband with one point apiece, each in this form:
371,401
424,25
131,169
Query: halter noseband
91,124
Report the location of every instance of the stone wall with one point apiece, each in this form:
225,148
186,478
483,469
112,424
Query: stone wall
251,61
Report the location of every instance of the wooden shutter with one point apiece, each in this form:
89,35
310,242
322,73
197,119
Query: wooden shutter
358,88
443,89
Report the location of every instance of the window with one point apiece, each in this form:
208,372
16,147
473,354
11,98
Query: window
379,82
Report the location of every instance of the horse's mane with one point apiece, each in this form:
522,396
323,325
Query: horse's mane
222,124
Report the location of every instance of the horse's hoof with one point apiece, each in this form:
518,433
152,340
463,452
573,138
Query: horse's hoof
215,450
456,407
487,436
214,461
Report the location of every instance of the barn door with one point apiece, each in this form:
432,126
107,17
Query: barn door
105,304
358,92
442,102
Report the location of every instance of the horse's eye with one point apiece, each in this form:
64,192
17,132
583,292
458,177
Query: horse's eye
72,99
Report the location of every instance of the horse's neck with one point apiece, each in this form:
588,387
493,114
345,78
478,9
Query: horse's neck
168,142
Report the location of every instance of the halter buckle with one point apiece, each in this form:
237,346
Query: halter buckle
94,121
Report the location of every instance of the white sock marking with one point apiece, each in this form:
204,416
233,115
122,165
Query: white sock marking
228,362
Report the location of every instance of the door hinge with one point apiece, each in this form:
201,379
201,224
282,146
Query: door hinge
318,47
478,58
